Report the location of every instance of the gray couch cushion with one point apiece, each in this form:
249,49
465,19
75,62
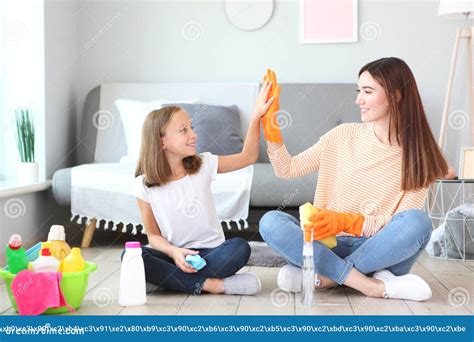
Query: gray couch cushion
310,110
314,109
268,190
217,127
86,142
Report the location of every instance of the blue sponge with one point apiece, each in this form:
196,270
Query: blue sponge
196,261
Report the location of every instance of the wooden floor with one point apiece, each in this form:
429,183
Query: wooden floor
452,283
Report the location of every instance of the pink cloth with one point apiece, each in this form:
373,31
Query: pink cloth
36,292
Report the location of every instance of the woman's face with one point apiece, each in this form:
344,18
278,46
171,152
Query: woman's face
371,99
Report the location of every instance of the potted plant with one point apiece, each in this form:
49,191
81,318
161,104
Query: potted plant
28,168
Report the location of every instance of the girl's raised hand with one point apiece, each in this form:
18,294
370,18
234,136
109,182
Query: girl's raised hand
178,255
263,102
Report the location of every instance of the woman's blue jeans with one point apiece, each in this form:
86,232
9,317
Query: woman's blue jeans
395,247
222,262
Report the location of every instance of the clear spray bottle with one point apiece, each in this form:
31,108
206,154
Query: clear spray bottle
307,293
309,278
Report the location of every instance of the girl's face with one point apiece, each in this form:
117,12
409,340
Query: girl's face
179,139
371,99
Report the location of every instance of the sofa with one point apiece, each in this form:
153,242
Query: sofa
308,111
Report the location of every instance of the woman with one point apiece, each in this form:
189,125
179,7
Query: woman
373,180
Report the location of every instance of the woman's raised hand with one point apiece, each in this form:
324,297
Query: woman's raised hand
271,128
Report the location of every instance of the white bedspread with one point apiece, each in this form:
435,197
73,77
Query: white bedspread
104,191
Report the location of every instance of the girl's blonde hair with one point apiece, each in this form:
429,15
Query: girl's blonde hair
152,162
422,160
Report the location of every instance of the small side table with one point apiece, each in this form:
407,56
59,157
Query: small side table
443,197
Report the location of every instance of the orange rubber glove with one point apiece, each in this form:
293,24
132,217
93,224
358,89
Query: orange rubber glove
327,223
271,129
307,211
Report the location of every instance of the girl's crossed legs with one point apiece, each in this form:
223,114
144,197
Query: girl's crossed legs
222,261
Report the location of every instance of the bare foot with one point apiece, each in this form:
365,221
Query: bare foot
325,284
377,290
213,285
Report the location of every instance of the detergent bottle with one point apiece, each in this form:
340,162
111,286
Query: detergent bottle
74,262
47,244
132,276
59,248
45,262
16,255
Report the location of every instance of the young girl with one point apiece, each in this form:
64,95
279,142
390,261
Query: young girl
173,190
373,180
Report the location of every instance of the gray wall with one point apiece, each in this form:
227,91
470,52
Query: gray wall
144,41
61,72
30,215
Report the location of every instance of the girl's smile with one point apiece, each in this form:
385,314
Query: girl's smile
179,138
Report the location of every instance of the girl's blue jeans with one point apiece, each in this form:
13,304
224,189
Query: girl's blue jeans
222,262
395,247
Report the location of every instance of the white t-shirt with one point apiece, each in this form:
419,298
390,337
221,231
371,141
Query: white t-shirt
184,209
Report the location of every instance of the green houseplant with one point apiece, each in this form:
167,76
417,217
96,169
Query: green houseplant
25,129
25,135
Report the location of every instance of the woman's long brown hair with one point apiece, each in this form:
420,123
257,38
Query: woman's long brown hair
152,162
422,160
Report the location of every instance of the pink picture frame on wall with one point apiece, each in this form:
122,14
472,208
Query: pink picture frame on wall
328,21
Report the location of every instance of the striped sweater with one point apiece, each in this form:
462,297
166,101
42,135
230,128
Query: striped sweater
357,173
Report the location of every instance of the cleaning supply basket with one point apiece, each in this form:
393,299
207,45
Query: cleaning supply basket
73,286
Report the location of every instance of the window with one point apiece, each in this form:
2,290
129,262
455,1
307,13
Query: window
21,77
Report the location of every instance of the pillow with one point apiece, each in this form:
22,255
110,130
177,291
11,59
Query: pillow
218,128
133,114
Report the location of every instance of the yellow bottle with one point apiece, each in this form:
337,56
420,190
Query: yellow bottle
59,248
74,262
306,211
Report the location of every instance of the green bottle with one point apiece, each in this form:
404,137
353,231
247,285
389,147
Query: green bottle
16,255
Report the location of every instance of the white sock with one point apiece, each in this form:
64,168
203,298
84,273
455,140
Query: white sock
245,283
408,286
290,278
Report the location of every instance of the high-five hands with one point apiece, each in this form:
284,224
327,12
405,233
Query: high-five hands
264,100
271,128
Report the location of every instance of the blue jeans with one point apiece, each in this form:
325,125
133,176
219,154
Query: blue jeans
395,247
222,261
